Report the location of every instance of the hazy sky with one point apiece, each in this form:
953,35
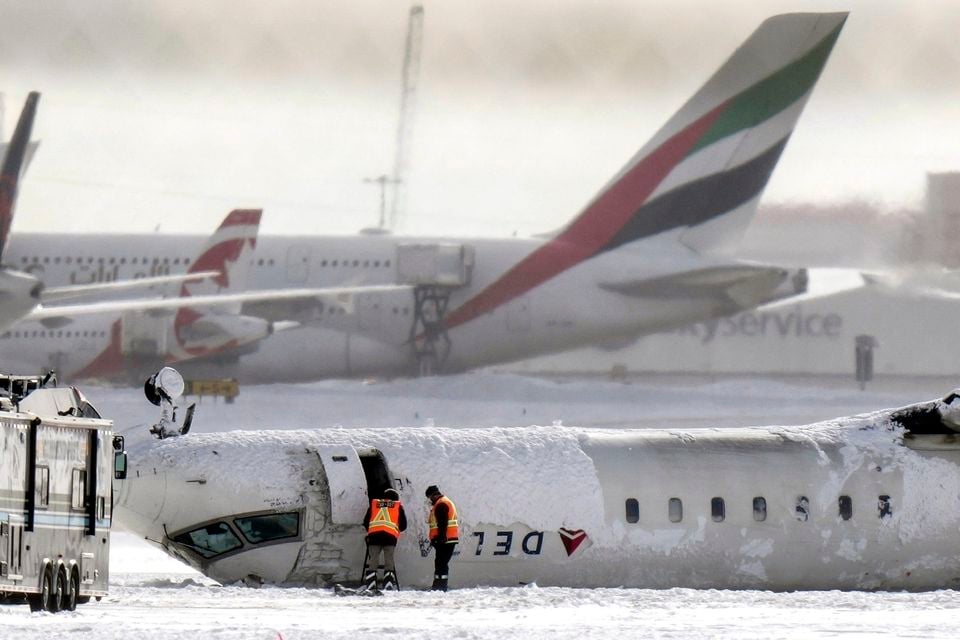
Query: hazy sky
171,113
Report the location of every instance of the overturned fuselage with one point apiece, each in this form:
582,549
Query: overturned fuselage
869,502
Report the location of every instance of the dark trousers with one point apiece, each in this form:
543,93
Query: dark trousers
441,563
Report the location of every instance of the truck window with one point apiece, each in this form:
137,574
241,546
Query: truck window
43,487
210,540
269,527
78,489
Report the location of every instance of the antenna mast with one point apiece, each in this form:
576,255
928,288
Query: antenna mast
408,96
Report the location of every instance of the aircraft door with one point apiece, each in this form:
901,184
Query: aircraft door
518,315
347,483
298,264
369,307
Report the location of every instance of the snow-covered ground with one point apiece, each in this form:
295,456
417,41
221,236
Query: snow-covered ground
153,596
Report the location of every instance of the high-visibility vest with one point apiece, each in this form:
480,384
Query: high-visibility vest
385,517
453,525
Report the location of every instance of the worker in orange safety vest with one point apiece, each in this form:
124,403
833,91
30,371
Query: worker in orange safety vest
384,521
444,533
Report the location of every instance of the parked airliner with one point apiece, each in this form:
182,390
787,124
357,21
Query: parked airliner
22,293
647,253
868,502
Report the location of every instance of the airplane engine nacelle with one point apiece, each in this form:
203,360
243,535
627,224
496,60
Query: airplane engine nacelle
211,334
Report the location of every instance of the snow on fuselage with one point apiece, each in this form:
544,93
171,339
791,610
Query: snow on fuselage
858,503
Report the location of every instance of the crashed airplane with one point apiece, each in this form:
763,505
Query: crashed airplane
867,502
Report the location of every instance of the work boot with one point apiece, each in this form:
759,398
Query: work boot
439,584
369,581
390,581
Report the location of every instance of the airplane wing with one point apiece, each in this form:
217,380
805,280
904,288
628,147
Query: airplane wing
55,294
734,282
339,296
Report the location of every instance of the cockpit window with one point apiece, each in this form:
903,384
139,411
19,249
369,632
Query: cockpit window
269,527
210,540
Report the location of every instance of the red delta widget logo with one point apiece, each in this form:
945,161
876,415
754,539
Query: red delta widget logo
507,542
785,323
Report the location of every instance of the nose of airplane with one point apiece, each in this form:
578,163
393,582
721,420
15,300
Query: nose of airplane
140,500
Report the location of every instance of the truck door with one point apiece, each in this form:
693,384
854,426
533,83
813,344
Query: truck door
12,540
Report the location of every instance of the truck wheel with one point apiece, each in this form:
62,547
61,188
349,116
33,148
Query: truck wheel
70,595
41,601
58,587
47,591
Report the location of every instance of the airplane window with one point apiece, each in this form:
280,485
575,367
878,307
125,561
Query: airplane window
274,526
90,260
759,509
69,260
186,261
633,510
802,510
260,262
386,263
270,262
366,263
99,260
884,506
166,261
176,261
134,261
112,260
333,264
46,260
210,540
23,259
376,263
123,261
56,260
846,507
323,263
718,510
356,263
675,510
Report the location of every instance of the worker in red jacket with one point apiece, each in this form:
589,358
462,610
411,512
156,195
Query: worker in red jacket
444,534
385,520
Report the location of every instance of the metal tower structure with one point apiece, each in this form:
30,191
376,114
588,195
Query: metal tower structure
408,98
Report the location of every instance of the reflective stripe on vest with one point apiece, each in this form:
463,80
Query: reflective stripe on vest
384,517
453,525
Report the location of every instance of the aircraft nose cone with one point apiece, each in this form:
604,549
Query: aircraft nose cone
140,497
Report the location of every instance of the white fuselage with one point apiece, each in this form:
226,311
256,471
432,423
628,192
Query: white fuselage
851,504
568,310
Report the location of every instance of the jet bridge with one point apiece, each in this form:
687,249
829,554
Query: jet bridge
435,270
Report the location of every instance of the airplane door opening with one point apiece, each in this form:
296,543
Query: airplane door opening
298,264
376,471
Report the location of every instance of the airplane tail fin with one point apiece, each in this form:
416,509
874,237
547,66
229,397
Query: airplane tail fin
229,252
13,166
700,177
704,170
